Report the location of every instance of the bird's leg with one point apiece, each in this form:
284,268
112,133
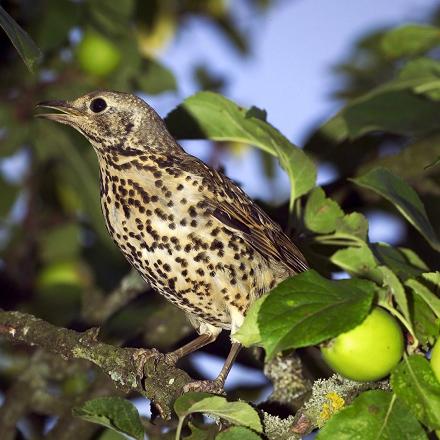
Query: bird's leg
199,342
216,386
142,355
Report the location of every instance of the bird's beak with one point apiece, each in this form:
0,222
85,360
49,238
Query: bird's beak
67,113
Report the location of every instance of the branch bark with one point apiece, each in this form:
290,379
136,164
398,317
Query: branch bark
154,379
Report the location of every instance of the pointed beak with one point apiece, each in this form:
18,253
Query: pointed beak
66,112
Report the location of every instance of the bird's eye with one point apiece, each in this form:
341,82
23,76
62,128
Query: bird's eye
98,105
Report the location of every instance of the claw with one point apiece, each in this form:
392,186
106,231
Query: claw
142,355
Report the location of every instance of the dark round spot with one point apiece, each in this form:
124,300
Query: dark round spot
98,105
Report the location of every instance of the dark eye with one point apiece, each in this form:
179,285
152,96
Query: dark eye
98,105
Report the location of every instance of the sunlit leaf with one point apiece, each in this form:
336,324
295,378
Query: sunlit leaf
238,413
358,261
249,333
321,213
212,116
308,309
354,224
410,40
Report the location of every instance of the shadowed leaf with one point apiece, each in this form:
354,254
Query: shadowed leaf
374,415
403,197
112,412
415,384
26,48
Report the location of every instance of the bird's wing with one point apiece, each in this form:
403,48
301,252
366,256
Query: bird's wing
236,211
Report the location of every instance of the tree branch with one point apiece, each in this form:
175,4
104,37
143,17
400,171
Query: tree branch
97,307
154,379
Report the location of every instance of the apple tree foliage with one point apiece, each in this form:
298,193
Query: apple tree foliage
383,145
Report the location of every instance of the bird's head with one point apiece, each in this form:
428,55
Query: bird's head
113,122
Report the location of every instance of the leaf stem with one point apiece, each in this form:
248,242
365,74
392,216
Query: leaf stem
403,320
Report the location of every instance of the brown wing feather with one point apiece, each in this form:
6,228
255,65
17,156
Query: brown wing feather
237,211
261,232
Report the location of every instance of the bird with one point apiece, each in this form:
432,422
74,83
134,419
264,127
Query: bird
191,233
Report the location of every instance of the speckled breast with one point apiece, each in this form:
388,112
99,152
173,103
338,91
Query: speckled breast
164,230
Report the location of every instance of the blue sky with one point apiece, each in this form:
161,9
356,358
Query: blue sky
289,74
294,48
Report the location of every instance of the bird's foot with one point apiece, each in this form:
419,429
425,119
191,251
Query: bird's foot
142,355
205,386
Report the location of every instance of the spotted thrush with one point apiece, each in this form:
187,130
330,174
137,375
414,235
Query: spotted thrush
192,234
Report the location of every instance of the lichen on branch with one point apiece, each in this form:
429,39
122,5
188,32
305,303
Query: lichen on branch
154,379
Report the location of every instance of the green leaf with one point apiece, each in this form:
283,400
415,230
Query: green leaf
210,115
415,384
432,300
154,78
321,213
410,40
354,224
208,432
404,198
429,70
358,261
249,333
391,281
404,262
308,309
434,279
374,415
109,434
426,324
238,433
26,48
238,413
396,107
413,258
412,161
421,67
112,412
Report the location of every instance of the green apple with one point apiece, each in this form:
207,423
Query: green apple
97,55
369,351
61,272
435,359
